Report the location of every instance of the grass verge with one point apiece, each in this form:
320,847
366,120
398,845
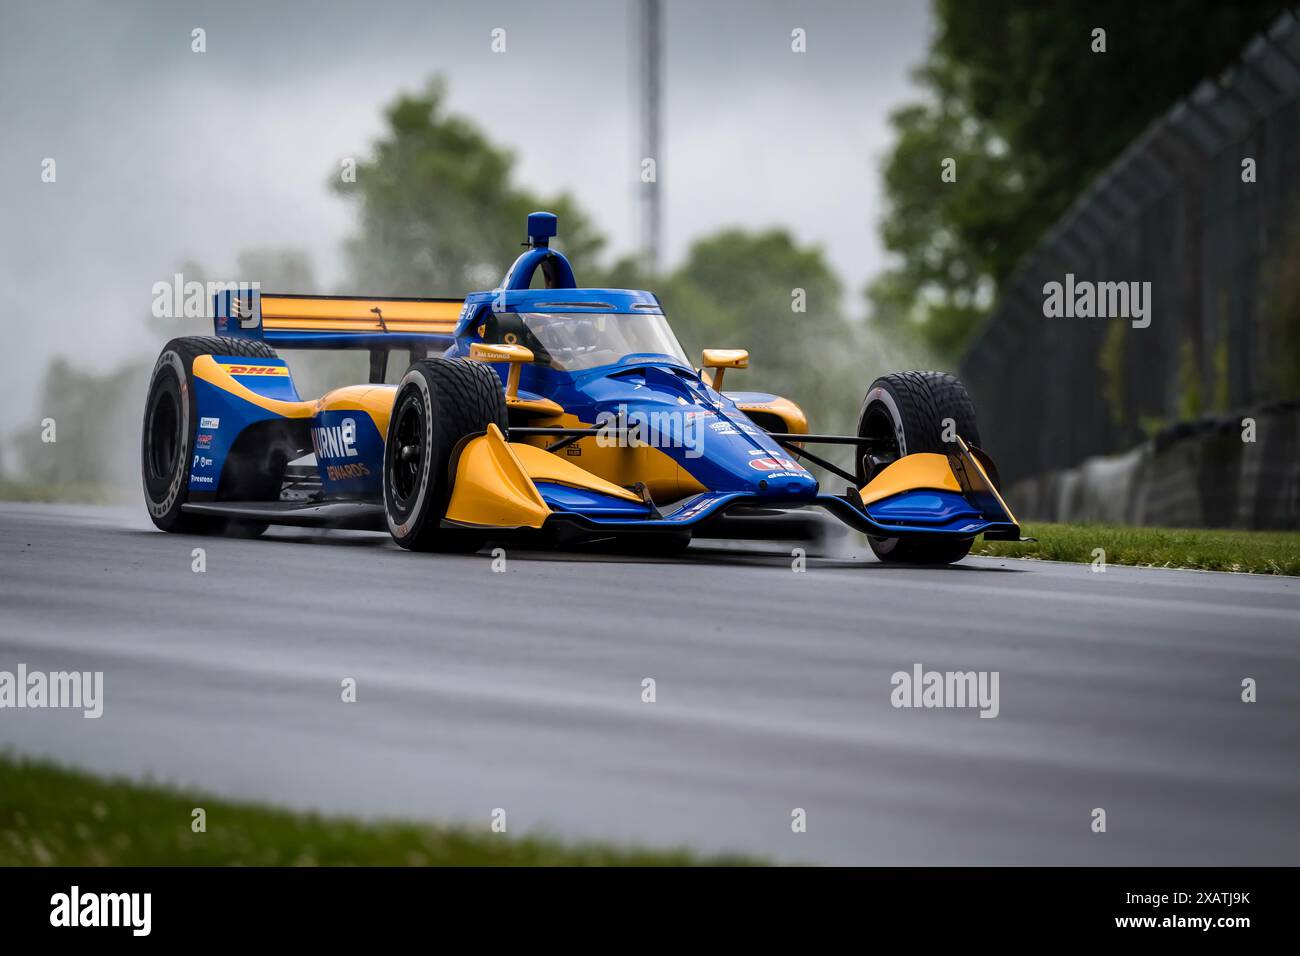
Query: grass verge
1259,552
50,816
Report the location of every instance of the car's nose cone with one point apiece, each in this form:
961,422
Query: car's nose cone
780,477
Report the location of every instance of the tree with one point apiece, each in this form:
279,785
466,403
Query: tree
439,211
440,214
738,289
97,412
1030,113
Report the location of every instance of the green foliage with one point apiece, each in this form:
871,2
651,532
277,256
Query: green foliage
1221,368
440,214
55,817
1016,96
1111,361
738,289
1258,552
1190,400
1282,312
439,211
96,424
98,412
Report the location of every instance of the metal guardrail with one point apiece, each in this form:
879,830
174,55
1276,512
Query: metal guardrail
1172,209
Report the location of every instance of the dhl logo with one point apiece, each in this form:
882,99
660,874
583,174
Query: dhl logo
255,369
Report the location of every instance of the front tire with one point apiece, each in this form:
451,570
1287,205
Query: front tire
905,413
439,404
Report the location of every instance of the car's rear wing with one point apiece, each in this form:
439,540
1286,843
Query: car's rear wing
378,325
337,321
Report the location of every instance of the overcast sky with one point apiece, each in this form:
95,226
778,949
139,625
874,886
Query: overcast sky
164,155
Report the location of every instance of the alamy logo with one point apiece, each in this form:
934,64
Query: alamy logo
922,688
75,908
73,690
1101,300
666,429
191,299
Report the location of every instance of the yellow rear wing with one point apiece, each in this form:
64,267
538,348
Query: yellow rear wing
337,321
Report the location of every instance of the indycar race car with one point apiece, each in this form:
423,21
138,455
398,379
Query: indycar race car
557,414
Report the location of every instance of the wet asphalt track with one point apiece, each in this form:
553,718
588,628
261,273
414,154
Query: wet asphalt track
523,691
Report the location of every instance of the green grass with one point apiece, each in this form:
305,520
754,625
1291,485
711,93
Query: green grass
55,817
1259,552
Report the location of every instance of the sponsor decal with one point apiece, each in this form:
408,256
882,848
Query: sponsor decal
203,440
256,369
691,510
203,480
346,472
335,441
213,423
201,462
776,464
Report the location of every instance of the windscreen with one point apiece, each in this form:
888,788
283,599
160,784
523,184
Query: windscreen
572,341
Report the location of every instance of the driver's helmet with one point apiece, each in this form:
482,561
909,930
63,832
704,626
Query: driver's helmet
509,328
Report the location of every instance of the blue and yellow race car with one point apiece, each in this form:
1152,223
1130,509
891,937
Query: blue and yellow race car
556,414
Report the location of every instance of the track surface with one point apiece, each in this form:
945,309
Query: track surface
522,690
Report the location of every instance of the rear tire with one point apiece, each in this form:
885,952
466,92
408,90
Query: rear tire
905,413
439,404
171,420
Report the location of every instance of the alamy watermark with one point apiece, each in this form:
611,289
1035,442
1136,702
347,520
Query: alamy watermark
922,688
74,690
1084,299
666,429
129,910
181,299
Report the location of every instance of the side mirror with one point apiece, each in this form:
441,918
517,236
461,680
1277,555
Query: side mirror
723,359
516,355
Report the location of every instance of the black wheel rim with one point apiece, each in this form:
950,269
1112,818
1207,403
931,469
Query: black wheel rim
164,435
407,451
878,426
